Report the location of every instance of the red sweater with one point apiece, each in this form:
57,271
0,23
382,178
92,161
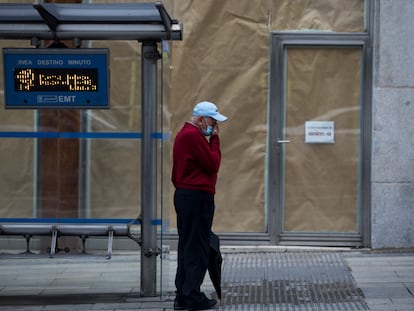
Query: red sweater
196,161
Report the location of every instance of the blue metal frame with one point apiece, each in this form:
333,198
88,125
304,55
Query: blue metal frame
84,135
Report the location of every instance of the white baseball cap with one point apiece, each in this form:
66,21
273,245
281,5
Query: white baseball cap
208,109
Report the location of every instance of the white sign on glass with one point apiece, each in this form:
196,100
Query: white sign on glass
319,132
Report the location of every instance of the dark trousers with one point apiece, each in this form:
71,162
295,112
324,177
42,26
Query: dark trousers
195,211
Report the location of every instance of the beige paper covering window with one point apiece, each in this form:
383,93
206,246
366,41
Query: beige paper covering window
321,180
224,57
332,15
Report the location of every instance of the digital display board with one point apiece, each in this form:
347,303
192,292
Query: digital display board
56,78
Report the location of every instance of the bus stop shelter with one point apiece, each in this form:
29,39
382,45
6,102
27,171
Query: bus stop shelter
147,23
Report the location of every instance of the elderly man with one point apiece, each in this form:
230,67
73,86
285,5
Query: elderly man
196,162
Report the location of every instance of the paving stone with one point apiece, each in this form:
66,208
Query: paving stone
391,291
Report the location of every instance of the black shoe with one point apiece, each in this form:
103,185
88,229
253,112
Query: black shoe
179,304
203,305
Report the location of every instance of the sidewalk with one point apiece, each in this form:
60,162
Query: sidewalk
253,278
386,279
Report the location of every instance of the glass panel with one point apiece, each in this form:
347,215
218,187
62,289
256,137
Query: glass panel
115,174
333,15
321,179
114,165
16,182
16,154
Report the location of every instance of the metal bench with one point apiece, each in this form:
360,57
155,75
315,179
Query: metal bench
82,228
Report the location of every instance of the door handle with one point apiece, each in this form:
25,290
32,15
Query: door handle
283,141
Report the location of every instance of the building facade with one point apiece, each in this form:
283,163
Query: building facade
317,149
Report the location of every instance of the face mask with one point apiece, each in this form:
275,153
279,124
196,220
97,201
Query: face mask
208,131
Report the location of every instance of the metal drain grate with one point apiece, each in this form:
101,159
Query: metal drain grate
291,281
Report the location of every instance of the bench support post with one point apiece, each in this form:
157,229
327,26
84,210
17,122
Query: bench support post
110,239
28,237
53,242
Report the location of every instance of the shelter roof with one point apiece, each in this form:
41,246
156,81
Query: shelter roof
64,21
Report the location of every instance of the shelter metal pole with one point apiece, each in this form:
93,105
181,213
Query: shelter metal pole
149,251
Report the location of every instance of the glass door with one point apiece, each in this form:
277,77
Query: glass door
321,123
316,136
